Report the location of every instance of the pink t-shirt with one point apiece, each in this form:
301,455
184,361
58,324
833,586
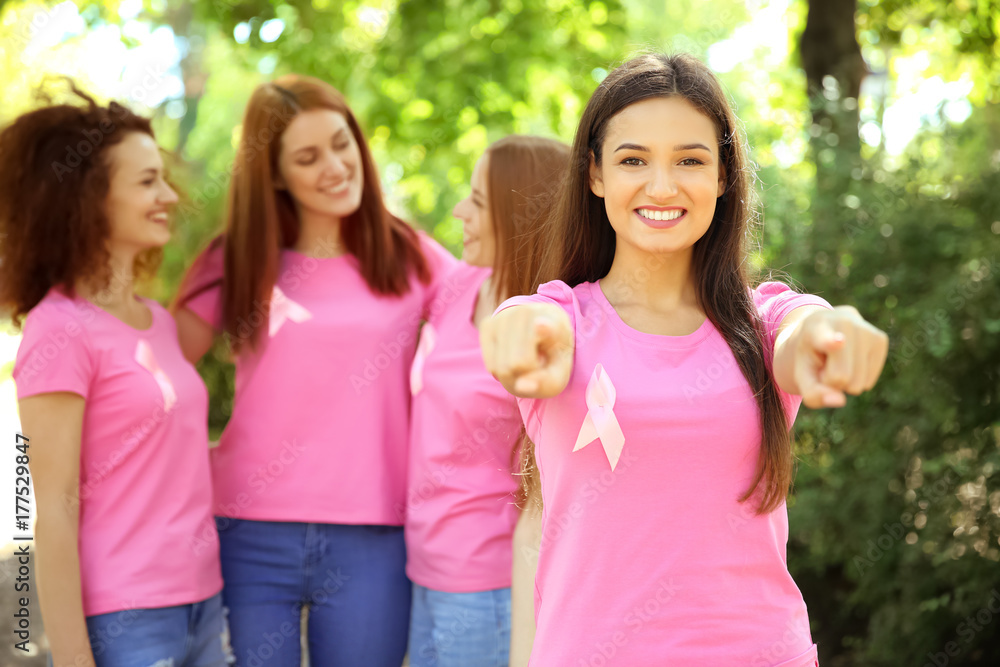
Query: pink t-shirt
146,535
320,421
656,561
460,511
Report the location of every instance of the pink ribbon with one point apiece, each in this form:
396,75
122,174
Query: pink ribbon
601,422
428,338
145,357
282,309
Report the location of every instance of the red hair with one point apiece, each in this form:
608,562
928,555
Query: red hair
261,220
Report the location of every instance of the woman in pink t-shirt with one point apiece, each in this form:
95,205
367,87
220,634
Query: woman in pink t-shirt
659,388
460,509
320,292
114,416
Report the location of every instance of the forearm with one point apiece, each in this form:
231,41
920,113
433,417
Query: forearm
59,590
527,541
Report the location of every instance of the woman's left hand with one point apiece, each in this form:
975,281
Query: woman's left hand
832,353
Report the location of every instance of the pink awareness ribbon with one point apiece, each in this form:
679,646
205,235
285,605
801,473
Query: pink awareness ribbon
282,309
601,422
428,338
145,357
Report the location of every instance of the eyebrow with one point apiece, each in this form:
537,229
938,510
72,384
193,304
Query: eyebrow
684,147
154,170
308,148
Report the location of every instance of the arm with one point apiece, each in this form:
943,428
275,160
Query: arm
194,334
527,542
55,422
529,349
820,354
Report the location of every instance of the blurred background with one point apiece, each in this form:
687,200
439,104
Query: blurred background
875,126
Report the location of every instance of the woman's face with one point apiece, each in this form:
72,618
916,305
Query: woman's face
660,175
320,164
139,199
479,245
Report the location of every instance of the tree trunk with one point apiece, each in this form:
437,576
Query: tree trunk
834,67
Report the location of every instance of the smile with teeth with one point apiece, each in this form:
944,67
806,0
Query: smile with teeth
158,217
338,189
672,214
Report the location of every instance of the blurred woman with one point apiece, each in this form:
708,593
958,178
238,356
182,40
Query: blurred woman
115,416
460,512
320,292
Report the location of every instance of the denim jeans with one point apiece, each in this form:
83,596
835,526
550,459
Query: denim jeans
351,577
189,635
460,629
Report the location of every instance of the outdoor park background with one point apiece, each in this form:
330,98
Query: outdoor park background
876,128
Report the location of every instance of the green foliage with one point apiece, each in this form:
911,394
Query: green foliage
895,520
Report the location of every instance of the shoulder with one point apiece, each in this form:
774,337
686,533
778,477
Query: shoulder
773,297
558,292
57,311
573,300
463,273
211,262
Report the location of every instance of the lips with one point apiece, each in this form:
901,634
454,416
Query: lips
160,217
336,190
661,218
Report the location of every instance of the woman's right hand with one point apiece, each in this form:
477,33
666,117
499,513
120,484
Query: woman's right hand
529,349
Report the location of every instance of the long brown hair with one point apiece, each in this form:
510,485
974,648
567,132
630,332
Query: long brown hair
261,220
54,183
584,247
523,178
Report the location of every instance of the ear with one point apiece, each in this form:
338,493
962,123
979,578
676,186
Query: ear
722,180
596,181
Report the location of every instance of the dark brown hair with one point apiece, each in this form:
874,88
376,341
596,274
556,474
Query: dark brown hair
584,246
54,182
523,178
261,220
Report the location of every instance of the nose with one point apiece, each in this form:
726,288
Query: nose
662,185
168,195
335,165
460,211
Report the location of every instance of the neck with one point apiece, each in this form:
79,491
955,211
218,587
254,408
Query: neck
120,290
319,235
661,282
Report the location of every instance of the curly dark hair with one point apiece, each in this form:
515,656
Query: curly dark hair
54,181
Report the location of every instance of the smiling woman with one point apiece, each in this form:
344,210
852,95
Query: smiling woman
320,290
651,296
121,477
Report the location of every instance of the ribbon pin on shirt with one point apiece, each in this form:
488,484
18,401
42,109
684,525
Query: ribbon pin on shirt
145,357
601,422
283,308
428,338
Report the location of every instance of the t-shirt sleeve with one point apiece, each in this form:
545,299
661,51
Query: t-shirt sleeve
201,291
555,292
54,354
441,264
774,301
559,294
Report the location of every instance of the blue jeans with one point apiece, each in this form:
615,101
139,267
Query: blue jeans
460,629
189,635
352,578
